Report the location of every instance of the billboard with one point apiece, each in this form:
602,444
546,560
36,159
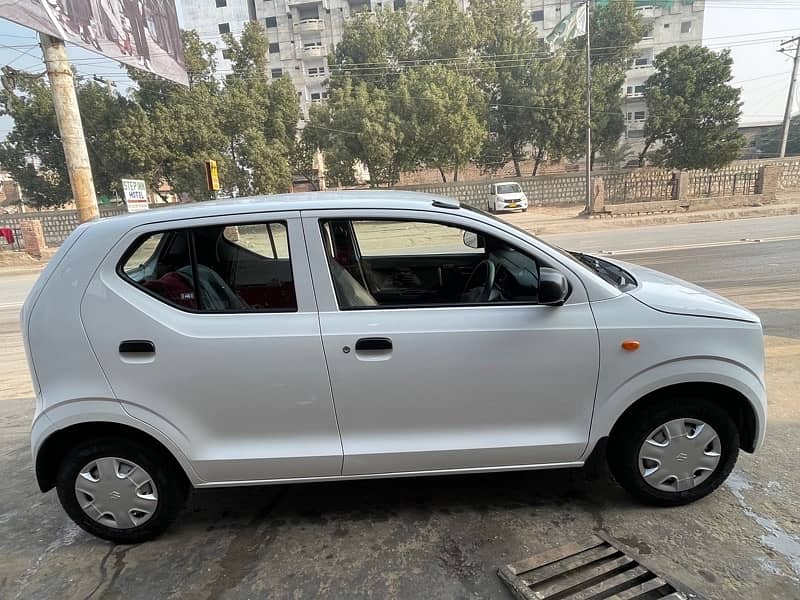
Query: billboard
140,33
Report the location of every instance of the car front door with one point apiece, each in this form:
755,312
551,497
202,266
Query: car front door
208,328
444,382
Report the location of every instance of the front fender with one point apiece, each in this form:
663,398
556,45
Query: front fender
682,371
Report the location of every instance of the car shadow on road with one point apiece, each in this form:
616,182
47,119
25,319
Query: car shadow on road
383,499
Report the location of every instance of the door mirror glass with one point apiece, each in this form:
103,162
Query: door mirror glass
553,287
473,240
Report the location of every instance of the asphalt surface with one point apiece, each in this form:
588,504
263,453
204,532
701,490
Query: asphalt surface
444,537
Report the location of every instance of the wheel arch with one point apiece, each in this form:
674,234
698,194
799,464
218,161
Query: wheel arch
727,398
58,443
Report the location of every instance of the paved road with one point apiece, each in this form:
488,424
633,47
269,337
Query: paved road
678,235
444,537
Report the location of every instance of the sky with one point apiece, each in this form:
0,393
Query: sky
752,29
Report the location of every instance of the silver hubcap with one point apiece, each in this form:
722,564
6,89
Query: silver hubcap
679,455
116,492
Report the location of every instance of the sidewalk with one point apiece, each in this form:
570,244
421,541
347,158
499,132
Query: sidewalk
552,220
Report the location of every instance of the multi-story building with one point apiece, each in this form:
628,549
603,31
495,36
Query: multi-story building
302,33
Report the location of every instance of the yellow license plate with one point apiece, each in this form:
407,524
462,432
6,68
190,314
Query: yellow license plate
513,205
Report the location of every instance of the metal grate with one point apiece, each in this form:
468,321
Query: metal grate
598,569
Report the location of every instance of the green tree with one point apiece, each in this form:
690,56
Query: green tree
692,109
358,125
508,48
768,144
442,31
372,48
442,116
616,29
176,128
33,153
258,118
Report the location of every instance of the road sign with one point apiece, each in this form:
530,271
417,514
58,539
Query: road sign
135,192
212,175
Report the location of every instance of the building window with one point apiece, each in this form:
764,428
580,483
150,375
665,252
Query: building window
316,71
639,89
310,13
537,15
642,61
666,25
648,31
312,45
274,48
636,133
222,3
271,22
639,115
224,27
316,96
398,4
628,116
277,73
686,27
226,54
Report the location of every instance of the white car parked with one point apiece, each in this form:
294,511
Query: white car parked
506,196
334,336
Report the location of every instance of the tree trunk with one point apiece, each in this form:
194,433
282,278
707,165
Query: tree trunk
539,158
455,173
594,153
517,170
643,153
444,177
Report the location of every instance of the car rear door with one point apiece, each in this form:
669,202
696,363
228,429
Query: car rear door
244,387
455,386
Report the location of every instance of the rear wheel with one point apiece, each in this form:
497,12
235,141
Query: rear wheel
120,490
675,452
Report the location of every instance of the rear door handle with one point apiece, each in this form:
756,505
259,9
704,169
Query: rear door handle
377,343
137,347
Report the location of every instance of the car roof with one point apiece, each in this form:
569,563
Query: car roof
304,201
505,182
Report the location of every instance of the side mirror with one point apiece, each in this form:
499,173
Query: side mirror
473,240
553,287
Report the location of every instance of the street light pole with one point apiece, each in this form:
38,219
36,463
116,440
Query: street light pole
787,117
588,113
68,116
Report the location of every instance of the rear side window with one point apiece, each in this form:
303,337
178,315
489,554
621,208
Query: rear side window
218,268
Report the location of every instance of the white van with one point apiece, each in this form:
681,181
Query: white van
507,195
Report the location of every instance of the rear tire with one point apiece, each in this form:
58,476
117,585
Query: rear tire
120,490
657,464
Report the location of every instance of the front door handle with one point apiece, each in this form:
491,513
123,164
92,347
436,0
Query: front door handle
377,343
137,347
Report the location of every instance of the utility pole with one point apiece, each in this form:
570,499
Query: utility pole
588,113
65,101
787,117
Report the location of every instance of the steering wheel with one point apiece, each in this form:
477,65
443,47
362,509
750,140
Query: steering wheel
485,270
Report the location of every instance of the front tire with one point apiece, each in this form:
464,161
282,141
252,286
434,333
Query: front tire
120,490
674,452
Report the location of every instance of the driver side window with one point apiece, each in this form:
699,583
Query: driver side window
410,263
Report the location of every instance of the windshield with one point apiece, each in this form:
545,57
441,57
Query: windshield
508,188
609,272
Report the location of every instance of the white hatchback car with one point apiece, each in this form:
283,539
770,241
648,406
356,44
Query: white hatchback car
506,195
336,336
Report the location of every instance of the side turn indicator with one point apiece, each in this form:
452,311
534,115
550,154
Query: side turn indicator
630,345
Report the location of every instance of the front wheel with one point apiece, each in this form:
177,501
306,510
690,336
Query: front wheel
675,452
120,490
